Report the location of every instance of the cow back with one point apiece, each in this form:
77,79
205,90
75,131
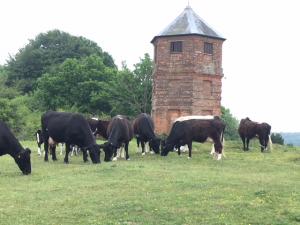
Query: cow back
119,130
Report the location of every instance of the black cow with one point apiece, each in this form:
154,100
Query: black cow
249,129
10,145
119,132
143,128
187,129
99,127
72,129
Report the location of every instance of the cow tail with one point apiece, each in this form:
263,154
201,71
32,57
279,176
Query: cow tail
223,142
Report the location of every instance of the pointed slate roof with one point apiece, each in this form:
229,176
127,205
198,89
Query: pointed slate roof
188,22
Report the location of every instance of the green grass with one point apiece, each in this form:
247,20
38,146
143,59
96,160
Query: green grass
244,188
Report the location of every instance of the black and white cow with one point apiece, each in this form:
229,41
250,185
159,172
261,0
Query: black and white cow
187,129
39,140
71,129
143,128
119,132
99,127
10,145
249,129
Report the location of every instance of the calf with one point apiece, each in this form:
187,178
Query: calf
72,129
143,128
185,130
98,127
119,132
249,129
10,145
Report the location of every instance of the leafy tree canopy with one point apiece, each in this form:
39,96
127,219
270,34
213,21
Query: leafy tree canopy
231,124
46,52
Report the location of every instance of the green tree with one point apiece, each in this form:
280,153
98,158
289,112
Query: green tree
131,92
277,138
46,52
76,83
232,123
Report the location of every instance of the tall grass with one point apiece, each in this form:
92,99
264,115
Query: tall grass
244,188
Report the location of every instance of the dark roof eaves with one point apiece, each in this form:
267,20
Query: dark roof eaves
191,34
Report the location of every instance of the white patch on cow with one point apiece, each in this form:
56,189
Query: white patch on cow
128,159
212,149
219,157
189,157
39,151
143,153
184,148
95,118
38,137
151,152
114,159
61,149
120,117
147,148
197,117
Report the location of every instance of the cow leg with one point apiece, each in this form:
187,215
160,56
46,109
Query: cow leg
178,150
244,144
46,148
66,159
190,150
247,142
53,152
143,147
39,149
85,155
126,151
138,144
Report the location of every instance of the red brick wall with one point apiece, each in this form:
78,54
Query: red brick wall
186,83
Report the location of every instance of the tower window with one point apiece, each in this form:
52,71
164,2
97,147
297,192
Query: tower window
176,46
208,48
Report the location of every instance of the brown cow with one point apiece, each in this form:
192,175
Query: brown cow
249,129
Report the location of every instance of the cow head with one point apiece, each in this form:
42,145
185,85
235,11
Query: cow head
108,149
23,161
166,147
155,144
94,151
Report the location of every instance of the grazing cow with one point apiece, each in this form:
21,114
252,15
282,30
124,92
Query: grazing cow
119,132
143,128
99,127
72,129
10,145
249,129
185,130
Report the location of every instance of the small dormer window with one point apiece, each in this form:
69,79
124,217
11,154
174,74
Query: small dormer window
176,46
208,48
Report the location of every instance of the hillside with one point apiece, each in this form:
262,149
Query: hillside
291,138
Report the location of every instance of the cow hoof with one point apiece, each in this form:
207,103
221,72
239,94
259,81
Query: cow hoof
114,159
143,153
66,162
189,157
128,159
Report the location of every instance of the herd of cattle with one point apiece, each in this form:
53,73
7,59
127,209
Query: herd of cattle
73,129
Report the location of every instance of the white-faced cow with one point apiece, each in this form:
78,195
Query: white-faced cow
187,129
10,145
143,128
99,127
249,129
119,132
71,129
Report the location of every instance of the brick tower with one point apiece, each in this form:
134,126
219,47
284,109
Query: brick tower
187,78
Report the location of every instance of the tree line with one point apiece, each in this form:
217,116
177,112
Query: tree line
58,71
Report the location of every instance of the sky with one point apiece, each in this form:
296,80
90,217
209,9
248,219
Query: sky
261,62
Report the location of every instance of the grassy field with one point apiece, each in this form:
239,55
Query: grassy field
244,188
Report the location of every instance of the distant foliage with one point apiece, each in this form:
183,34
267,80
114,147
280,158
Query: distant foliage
277,138
44,53
231,124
